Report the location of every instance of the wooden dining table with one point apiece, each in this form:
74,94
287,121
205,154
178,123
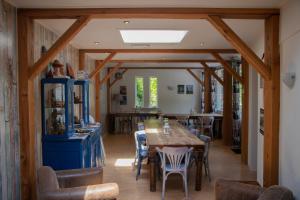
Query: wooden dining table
178,136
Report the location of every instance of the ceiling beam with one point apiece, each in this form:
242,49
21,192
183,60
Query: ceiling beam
167,68
228,68
59,45
196,77
180,51
240,46
164,61
149,13
101,65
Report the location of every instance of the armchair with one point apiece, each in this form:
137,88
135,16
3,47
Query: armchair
77,184
247,190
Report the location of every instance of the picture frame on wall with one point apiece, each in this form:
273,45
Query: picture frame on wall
180,89
123,90
123,100
189,89
262,121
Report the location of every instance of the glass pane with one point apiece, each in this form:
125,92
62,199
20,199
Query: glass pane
139,92
78,103
70,102
153,85
55,109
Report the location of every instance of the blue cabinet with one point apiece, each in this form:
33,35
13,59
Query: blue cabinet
81,100
66,146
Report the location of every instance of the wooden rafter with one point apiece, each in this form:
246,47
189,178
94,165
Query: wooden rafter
165,68
173,51
111,72
160,13
101,65
164,61
196,77
60,43
240,46
207,91
212,72
227,67
116,80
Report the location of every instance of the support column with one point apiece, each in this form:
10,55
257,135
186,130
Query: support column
271,102
81,60
245,111
108,97
97,95
227,109
27,109
207,91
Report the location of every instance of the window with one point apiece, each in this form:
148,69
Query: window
139,92
153,94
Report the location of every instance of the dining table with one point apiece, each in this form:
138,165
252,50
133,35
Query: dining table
176,136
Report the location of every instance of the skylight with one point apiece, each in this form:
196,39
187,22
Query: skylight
153,36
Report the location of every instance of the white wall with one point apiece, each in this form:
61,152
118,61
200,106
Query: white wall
168,101
289,137
289,160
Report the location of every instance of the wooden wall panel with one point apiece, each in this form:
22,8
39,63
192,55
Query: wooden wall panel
9,124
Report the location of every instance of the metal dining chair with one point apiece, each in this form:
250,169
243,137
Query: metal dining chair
141,150
140,126
207,124
206,140
175,160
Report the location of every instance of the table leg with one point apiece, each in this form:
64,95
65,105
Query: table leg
199,164
152,159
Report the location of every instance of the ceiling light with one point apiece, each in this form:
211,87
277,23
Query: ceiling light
96,43
153,36
126,22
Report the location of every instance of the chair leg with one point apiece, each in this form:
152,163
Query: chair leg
163,188
208,170
185,186
139,168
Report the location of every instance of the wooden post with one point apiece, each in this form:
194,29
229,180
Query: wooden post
108,96
271,102
245,111
207,91
97,95
81,60
27,112
227,109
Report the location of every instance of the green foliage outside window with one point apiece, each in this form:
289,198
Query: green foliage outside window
153,101
139,89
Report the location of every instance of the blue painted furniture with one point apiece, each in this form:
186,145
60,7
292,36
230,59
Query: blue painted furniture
63,146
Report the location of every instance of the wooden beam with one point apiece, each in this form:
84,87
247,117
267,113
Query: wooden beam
173,51
116,80
108,75
212,72
240,46
227,109
271,102
97,95
165,61
60,43
245,112
150,13
163,68
108,96
101,65
27,109
207,91
228,68
81,60
196,77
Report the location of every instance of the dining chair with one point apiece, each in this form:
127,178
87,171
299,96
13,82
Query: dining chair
140,126
175,160
207,124
206,140
141,150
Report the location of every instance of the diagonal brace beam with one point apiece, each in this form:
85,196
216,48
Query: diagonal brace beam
101,65
212,72
60,44
196,77
227,67
111,72
240,46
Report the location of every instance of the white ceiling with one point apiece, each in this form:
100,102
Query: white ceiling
146,3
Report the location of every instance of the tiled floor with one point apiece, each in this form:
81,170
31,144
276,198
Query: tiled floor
120,151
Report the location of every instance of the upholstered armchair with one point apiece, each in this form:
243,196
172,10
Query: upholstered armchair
245,190
78,184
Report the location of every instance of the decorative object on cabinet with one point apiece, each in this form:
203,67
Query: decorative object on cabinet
180,89
70,71
58,69
81,100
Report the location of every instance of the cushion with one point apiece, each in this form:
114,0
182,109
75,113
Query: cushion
276,193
